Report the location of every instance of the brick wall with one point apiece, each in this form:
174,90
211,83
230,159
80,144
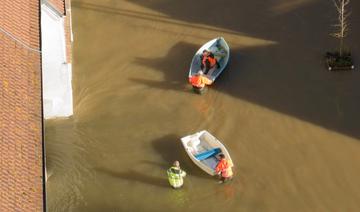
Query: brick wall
59,5
21,18
21,179
68,31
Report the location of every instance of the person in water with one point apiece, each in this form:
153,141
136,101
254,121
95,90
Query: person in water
176,175
224,169
199,81
208,61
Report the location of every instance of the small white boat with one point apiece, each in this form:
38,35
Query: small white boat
221,51
203,149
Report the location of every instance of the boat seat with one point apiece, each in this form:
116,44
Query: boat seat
193,145
208,153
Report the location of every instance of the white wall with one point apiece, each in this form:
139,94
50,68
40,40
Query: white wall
57,89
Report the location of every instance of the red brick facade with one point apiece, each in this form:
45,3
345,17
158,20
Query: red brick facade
21,150
21,18
68,31
21,161
59,5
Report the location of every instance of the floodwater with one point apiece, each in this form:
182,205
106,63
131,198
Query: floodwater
291,127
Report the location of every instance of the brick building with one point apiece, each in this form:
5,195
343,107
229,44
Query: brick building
22,172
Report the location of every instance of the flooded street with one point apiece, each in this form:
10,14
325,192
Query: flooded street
292,128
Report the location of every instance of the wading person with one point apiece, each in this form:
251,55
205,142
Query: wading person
224,169
199,82
208,61
176,175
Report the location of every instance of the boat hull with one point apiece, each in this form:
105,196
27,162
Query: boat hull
221,51
204,146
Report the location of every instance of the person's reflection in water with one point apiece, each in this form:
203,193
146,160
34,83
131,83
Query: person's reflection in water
204,106
179,197
227,191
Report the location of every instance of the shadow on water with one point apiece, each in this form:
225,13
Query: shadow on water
132,175
288,77
144,16
265,19
320,97
173,70
163,166
170,149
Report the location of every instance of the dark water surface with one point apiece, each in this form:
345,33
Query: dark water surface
292,128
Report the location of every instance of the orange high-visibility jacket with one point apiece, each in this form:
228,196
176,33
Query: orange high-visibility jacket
211,60
224,166
199,81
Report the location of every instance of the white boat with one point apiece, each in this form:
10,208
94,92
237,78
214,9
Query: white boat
203,149
221,51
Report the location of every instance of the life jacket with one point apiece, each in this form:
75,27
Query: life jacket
175,176
196,81
211,60
224,166
199,81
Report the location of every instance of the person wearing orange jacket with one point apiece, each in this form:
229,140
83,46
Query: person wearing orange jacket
208,61
224,169
199,81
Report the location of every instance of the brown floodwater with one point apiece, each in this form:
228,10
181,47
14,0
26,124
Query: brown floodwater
291,127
